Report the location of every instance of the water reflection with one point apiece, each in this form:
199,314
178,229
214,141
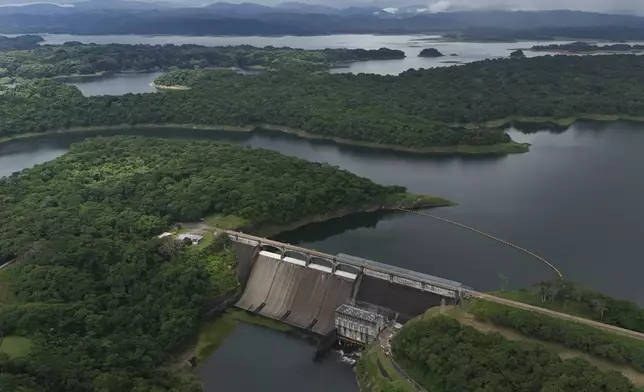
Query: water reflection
257,359
322,230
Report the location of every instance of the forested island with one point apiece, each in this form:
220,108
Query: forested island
585,48
103,302
20,42
430,52
452,109
74,58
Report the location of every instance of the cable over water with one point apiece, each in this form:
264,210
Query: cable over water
536,256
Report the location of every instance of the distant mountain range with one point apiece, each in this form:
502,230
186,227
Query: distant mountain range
296,18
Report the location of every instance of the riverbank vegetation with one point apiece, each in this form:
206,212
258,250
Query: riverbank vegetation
105,302
213,333
444,355
599,343
375,372
579,300
74,58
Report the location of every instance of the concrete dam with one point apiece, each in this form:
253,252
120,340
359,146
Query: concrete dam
306,288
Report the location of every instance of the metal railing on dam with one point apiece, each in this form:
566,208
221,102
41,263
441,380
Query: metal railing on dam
417,280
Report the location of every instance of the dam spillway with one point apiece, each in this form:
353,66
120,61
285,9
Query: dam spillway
288,290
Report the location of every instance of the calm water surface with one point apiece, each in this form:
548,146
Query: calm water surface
116,84
257,359
575,199
455,53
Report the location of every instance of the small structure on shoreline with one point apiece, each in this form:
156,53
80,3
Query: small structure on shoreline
195,238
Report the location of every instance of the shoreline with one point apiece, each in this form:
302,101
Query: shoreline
505,148
560,122
170,87
406,200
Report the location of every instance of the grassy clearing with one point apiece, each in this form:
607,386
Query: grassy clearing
230,222
213,334
464,317
16,346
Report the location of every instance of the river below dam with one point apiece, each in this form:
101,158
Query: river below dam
574,199
254,358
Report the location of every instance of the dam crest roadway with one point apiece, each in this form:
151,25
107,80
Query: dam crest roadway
315,291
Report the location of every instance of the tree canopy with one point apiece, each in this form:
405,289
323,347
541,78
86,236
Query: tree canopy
612,347
444,355
74,58
20,42
105,301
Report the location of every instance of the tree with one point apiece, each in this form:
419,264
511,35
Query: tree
599,305
543,290
504,281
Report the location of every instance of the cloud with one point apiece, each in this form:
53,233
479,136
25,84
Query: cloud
583,5
440,6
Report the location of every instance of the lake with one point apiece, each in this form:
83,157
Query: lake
455,53
575,200
115,84
460,52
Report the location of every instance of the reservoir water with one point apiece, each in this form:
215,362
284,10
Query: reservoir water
455,53
574,199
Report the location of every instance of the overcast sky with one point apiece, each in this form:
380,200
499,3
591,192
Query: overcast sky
624,6
446,5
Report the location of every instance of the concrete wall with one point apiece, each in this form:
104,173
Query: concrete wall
245,259
406,301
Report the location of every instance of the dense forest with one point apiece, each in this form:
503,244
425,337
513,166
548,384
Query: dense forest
417,109
444,355
20,42
615,348
74,58
584,47
105,302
